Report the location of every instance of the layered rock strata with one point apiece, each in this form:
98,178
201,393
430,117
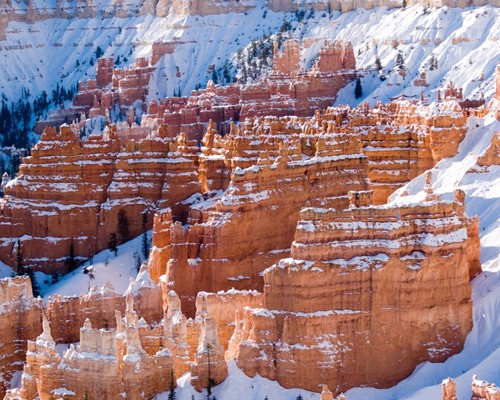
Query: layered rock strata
232,235
70,192
20,316
288,90
107,363
403,139
360,289
482,390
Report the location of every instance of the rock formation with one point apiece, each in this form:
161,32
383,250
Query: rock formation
482,390
402,139
449,389
76,205
105,364
232,236
209,367
20,316
289,90
369,275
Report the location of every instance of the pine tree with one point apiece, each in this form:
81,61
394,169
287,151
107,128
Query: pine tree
378,64
171,394
145,241
21,270
210,381
71,262
215,78
433,63
358,90
400,62
113,242
55,277
34,284
123,226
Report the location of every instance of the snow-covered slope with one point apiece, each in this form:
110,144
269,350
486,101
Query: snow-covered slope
102,268
464,42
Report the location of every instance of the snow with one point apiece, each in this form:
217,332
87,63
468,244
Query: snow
50,49
5,270
481,354
106,268
241,386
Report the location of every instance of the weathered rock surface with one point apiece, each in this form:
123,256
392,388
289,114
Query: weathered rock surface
209,367
360,290
77,204
106,364
482,390
20,317
277,166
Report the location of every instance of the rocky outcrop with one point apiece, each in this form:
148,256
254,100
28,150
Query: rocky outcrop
223,307
360,290
67,314
482,390
209,367
403,139
449,389
491,156
20,316
277,166
69,193
106,364
289,90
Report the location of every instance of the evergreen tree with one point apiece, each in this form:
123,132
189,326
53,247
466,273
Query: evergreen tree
34,284
378,64
55,277
145,241
98,52
210,381
358,90
171,394
21,270
112,244
433,63
71,262
400,62
215,78
123,226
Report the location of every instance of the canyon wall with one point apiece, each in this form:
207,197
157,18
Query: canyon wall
20,316
386,286
76,205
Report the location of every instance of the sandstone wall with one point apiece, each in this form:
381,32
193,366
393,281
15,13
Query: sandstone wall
361,290
232,236
69,193
20,316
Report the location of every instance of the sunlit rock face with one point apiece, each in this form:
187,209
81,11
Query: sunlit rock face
370,285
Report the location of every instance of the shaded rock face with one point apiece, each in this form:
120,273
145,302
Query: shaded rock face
69,194
209,367
449,389
132,356
20,316
267,169
386,286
